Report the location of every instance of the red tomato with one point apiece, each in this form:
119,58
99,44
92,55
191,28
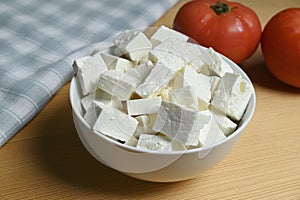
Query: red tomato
280,44
230,28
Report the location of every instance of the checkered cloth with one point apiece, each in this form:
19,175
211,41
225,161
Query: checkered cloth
39,40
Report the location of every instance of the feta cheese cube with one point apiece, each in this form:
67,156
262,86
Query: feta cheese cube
166,54
88,70
216,64
108,99
232,96
202,91
143,106
158,143
115,124
180,123
195,58
101,97
211,133
189,77
93,112
177,54
141,71
158,78
184,96
214,83
96,107
132,141
87,100
134,44
117,84
226,125
145,124
117,63
163,33
199,83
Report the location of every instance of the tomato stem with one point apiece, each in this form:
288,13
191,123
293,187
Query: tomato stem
220,8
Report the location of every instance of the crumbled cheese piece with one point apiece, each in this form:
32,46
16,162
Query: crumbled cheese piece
158,143
184,96
216,64
117,63
196,60
166,54
101,97
143,106
115,124
189,77
132,141
163,33
177,54
211,133
158,78
134,44
226,125
145,125
180,123
214,83
141,71
232,96
92,112
96,106
87,100
117,84
108,99
88,70
199,83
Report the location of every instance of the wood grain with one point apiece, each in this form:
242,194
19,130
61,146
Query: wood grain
46,159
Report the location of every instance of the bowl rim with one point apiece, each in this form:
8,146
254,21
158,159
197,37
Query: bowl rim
238,131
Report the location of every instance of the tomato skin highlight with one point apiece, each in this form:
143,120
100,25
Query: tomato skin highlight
235,34
280,45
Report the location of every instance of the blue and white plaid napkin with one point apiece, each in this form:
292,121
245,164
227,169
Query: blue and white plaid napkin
39,40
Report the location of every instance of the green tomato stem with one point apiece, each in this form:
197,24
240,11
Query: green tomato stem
220,8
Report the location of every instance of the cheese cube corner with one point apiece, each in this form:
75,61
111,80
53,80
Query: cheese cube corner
158,78
216,64
143,106
145,124
134,44
117,84
226,125
163,33
232,96
180,123
88,70
211,134
117,63
115,124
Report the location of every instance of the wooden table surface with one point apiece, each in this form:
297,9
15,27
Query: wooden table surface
46,159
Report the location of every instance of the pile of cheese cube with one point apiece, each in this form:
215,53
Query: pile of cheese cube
160,92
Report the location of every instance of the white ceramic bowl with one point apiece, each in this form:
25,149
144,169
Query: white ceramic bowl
151,165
